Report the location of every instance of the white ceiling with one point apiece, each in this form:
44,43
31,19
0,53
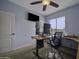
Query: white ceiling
38,7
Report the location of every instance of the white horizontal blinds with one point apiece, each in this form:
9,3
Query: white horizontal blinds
58,24
61,23
53,23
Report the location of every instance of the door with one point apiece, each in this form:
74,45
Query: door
7,31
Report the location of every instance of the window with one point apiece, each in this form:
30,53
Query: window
58,24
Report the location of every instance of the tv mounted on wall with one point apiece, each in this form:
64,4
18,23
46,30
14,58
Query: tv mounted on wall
33,17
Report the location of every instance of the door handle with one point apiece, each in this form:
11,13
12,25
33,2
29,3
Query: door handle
12,33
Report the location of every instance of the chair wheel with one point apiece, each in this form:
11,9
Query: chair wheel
52,55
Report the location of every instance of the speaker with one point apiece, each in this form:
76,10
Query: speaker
46,28
37,28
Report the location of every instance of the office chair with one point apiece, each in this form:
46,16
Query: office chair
54,43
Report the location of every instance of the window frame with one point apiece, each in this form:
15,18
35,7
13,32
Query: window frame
56,29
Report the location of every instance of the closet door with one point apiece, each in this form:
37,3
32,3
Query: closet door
7,31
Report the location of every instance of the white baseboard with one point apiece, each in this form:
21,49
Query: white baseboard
27,47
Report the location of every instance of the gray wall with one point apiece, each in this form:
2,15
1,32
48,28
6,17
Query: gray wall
71,16
24,28
71,19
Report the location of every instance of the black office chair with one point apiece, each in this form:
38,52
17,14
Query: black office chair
55,43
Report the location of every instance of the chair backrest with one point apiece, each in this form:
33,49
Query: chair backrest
58,35
57,39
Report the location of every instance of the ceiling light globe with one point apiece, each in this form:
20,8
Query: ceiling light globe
46,2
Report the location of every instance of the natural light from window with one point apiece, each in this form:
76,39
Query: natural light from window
58,24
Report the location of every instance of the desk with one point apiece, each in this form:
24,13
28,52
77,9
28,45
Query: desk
39,37
76,39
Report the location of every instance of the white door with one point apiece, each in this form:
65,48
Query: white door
7,31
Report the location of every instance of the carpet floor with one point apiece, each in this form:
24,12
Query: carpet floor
28,54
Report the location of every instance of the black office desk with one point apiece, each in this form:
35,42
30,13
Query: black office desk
38,38
76,39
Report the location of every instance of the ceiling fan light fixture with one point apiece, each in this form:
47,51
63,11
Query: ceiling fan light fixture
46,2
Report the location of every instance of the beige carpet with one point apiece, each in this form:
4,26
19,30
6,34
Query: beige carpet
28,54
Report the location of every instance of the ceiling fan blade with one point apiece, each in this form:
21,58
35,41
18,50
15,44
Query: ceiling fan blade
54,4
44,7
36,2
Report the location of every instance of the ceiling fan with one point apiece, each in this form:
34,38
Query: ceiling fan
45,3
